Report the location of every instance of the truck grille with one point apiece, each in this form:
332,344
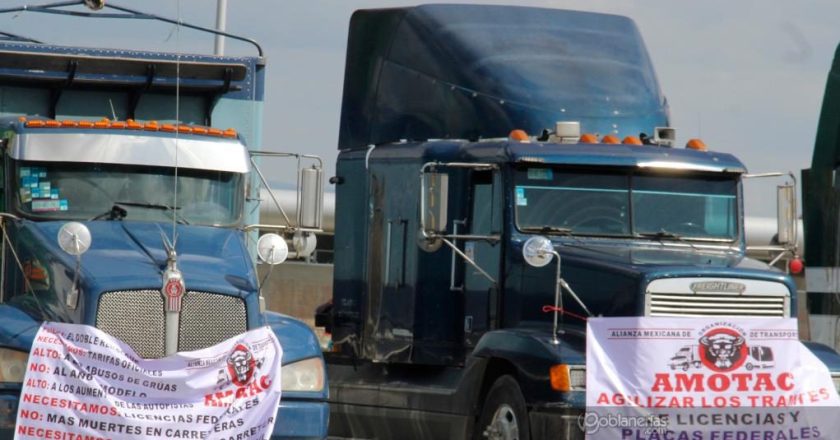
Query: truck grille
709,296
137,318
664,304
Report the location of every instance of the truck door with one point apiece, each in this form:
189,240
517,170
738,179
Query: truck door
481,294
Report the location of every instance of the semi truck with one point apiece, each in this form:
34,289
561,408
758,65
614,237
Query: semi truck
504,173
821,213
124,207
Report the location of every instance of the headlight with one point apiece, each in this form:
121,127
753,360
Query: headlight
305,375
12,365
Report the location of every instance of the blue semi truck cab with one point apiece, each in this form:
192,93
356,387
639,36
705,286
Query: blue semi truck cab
471,134
107,187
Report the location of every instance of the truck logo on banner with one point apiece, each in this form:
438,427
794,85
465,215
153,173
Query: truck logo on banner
723,349
705,379
83,383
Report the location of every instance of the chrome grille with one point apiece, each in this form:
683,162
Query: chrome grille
677,304
208,319
137,318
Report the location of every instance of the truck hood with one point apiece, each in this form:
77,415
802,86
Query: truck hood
132,255
656,256
612,278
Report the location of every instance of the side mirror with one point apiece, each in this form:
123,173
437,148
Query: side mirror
310,213
74,238
272,249
538,251
433,203
786,214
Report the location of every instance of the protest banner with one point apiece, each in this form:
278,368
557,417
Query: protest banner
705,379
82,383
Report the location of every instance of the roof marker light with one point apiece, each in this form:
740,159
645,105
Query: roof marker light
35,123
696,144
151,126
610,139
214,131
518,135
131,124
104,123
199,130
118,124
588,138
170,128
184,128
230,133
631,140
85,124
69,123
52,123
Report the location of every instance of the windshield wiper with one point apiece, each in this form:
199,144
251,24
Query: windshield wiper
660,234
552,230
118,213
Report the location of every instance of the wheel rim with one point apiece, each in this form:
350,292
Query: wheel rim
504,425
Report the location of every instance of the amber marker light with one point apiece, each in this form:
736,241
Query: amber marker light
696,144
610,139
560,378
588,138
518,135
631,140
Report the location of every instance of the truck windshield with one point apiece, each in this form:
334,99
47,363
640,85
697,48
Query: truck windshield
53,190
695,206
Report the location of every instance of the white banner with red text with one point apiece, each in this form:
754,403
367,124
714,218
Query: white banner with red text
83,383
705,379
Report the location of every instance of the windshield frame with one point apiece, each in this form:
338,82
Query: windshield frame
13,182
629,173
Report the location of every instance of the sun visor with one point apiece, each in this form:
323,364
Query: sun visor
203,154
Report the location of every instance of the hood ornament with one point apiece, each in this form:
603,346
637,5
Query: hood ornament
173,282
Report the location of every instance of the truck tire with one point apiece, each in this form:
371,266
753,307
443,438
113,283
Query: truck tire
503,415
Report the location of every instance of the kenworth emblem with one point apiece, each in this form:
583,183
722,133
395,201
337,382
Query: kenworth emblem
718,287
173,282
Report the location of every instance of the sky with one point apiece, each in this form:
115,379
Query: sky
745,76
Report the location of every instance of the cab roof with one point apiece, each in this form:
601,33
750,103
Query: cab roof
618,155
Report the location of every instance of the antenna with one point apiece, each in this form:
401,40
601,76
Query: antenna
177,124
113,113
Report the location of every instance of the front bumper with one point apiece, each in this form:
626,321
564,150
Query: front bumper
301,419
556,422
296,419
